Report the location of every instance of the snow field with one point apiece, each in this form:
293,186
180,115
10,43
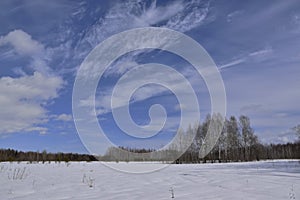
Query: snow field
255,180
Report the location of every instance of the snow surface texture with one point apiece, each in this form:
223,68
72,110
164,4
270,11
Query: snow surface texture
255,180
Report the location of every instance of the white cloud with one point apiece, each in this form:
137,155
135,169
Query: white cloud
64,117
23,99
41,130
22,43
231,16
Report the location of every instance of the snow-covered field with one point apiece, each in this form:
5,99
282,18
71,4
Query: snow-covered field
255,180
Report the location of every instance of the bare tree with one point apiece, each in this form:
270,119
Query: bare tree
222,144
233,138
213,127
202,134
248,137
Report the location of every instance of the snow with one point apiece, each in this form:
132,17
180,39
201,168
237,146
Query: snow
254,180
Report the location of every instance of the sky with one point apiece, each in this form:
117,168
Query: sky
254,44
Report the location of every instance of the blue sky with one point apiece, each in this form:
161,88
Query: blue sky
254,44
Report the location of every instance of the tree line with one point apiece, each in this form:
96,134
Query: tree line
237,142
14,155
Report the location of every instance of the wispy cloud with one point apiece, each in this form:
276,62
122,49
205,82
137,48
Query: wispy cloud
231,16
255,56
103,100
261,53
182,16
232,63
192,15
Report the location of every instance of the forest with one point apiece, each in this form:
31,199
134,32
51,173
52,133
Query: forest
14,155
237,142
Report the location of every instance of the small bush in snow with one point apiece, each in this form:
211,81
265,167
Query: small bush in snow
17,173
88,180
